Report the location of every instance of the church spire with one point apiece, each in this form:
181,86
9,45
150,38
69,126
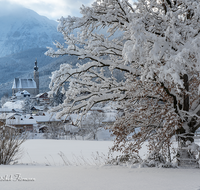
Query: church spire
36,67
36,77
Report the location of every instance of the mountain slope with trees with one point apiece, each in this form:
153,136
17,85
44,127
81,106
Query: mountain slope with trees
24,36
23,29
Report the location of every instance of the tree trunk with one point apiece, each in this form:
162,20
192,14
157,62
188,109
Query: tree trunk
184,156
186,101
185,136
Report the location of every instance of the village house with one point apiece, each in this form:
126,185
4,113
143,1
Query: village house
49,119
22,122
7,110
30,122
43,98
37,109
21,95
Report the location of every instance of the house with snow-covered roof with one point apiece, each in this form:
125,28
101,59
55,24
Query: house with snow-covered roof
29,85
43,98
31,122
22,122
7,110
37,109
22,94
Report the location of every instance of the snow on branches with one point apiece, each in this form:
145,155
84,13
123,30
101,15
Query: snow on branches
158,50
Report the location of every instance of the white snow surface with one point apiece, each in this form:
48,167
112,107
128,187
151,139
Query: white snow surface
14,105
104,178
42,164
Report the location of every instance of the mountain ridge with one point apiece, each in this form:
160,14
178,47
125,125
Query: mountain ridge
23,29
24,36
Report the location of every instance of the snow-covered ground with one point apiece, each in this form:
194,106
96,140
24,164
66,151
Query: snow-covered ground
14,105
46,152
45,170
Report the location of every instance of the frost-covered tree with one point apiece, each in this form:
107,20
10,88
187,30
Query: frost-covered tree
54,131
158,50
26,105
92,123
57,98
4,99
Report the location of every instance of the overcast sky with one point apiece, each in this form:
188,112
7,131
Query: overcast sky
53,9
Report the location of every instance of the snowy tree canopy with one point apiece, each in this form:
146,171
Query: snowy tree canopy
158,51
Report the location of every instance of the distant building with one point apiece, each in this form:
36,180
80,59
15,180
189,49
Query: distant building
37,109
22,94
43,98
24,123
6,110
29,85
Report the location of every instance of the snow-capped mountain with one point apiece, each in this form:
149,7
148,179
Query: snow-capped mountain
22,29
24,36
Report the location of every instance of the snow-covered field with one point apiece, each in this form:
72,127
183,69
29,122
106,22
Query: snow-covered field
45,170
46,152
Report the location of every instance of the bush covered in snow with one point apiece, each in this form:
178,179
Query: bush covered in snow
10,142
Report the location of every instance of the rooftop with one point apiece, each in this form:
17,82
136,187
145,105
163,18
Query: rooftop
23,83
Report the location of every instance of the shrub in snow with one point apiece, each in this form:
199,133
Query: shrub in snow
10,142
96,159
156,46
156,160
127,159
189,156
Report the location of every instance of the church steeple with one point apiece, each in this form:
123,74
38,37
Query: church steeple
36,67
36,76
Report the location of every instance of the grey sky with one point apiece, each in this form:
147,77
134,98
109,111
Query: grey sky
53,9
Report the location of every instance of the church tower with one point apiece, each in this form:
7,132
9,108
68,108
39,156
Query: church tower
36,77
